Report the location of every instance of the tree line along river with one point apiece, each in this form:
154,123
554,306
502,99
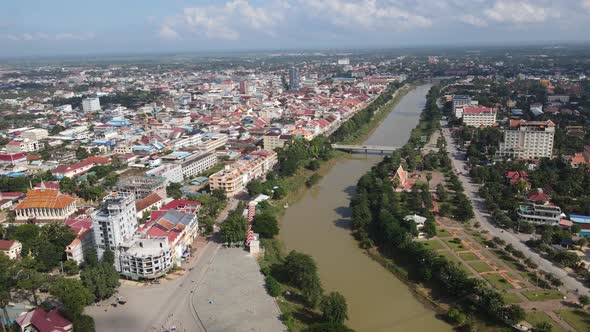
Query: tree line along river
319,225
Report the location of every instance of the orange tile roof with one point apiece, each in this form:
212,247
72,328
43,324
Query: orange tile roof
45,198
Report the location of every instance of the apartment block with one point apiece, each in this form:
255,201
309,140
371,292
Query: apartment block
272,140
90,105
142,186
234,177
197,163
539,214
114,223
146,258
527,140
479,116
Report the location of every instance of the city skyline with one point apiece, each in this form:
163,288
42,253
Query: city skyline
39,28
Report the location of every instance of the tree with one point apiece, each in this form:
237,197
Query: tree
266,225
81,153
334,308
84,323
67,185
108,257
584,300
429,228
456,317
328,327
542,327
73,295
233,229
173,190
301,272
30,280
101,280
71,267
512,314
272,286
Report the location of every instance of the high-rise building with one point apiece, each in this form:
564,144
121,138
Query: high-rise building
479,116
114,223
91,104
293,78
527,140
245,87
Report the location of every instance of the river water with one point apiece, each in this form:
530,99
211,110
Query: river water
319,225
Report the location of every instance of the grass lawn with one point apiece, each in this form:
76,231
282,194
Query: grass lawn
455,245
497,281
450,257
433,244
480,266
442,233
468,256
577,318
542,295
477,236
510,298
536,317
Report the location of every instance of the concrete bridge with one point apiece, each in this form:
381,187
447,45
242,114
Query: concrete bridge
365,148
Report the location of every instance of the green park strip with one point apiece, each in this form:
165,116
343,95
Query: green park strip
576,318
538,317
468,256
497,281
433,244
480,266
543,295
455,244
511,298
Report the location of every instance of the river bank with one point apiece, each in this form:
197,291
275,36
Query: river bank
319,224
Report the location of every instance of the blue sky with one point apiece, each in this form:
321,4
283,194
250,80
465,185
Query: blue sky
42,27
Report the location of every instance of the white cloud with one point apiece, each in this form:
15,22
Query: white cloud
367,14
474,20
519,12
62,36
227,20
586,4
168,33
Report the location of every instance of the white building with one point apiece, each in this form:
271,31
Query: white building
527,140
479,116
146,258
171,172
197,163
540,214
11,248
91,104
114,223
35,134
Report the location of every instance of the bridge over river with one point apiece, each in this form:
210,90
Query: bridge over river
365,148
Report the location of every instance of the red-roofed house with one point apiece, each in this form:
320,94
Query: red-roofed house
152,201
84,241
13,158
514,177
80,168
538,197
11,248
40,321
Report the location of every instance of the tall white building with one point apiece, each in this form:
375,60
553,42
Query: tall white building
114,224
527,140
91,104
479,116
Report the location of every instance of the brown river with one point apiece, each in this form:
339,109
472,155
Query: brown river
319,225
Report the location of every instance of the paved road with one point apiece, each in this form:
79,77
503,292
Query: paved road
471,190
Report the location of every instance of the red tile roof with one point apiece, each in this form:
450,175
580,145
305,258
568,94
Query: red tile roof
6,244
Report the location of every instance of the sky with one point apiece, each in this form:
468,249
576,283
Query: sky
61,27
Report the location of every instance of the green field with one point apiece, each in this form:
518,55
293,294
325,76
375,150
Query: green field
497,281
480,266
542,295
455,245
468,256
450,257
510,298
577,318
537,317
432,244
442,233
